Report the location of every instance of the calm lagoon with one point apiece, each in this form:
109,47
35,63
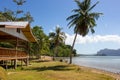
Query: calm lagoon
107,63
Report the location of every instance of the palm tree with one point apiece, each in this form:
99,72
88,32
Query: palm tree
42,44
83,20
7,15
56,38
10,15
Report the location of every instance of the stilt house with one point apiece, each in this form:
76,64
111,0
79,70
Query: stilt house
19,35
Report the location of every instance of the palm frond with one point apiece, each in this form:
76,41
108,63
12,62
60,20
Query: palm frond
93,6
92,30
87,4
92,23
52,34
95,15
78,3
83,20
72,16
75,10
72,22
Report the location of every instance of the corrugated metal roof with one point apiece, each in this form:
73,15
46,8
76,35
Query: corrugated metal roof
15,24
25,27
22,24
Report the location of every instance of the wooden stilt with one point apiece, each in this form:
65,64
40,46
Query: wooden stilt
21,62
28,48
27,61
6,64
2,62
12,63
15,63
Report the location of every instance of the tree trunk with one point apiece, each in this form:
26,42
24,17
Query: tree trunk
54,53
72,48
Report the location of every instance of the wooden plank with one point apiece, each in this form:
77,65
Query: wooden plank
12,58
1,26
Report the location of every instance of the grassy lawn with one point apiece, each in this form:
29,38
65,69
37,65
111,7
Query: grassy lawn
54,71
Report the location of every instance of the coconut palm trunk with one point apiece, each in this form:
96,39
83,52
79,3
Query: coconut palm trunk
53,55
72,48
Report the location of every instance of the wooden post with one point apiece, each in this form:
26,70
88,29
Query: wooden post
28,52
12,64
3,63
15,61
6,64
27,61
21,62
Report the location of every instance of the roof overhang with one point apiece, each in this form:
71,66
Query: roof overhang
24,26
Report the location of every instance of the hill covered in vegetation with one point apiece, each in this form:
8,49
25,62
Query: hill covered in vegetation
109,52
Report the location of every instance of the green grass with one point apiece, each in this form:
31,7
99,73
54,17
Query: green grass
3,74
54,71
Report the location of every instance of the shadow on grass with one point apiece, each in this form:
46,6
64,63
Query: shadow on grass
38,61
55,68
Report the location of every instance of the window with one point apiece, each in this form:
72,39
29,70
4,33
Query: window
18,30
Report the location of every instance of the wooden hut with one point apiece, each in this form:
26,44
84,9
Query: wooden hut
19,35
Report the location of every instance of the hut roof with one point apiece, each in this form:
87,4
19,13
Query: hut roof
24,26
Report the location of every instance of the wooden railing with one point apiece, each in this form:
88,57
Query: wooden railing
5,52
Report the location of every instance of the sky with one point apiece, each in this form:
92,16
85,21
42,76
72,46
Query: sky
52,13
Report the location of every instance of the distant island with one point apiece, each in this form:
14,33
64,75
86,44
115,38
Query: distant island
108,52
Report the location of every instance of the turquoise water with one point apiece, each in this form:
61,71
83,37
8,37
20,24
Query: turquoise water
107,63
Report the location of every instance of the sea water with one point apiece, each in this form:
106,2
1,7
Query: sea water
107,63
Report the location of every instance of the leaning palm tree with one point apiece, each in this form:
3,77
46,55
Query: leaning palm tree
57,37
83,20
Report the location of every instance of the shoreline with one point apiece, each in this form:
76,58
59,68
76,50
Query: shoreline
95,70
99,71
55,70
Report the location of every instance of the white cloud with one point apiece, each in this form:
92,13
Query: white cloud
57,25
92,39
54,28
51,31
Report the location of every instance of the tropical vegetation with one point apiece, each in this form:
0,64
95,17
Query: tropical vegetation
83,20
51,45
56,38
42,44
16,15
